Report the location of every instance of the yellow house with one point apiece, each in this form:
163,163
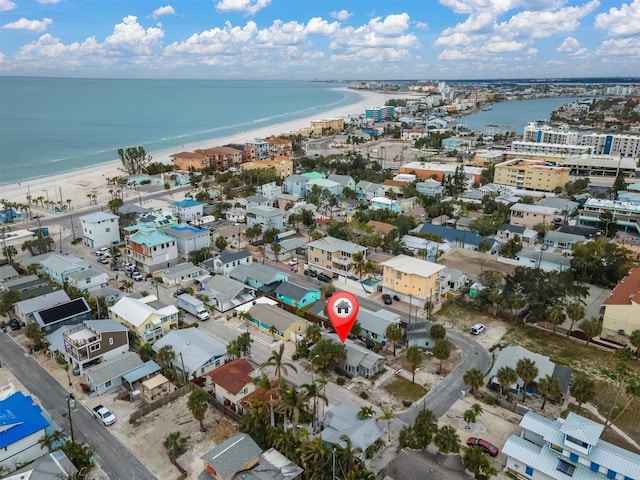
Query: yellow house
622,309
531,175
149,318
411,278
332,255
278,322
282,165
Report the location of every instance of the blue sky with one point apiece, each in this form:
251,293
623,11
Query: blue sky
320,39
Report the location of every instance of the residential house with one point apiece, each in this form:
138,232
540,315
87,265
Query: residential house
531,215
181,273
233,233
345,180
158,219
109,294
420,246
22,425
106,376
227,261
133,379
374,324
227,459
564,448
452,280
9,215
100,229
258,201
380,228
429,188
224,293
360,360
412,465
324,184
187,210
526,235
440,220
384,203
151,250
232,383
531,175
235,215
395,188
72,312
189,239
296,295
7,272
333,256
278,322
52,465
543,259
473,197
289,248
563,206
188,161
271,191
621,314
282,166
343,420
147,317
296,185
196,353
257,275
57,266
566,241
25,309
28,286
266,217
87,280
272,465
509,357
366,190
457,238
412,279
419,334
94,341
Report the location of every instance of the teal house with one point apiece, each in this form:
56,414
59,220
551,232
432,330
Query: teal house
296,295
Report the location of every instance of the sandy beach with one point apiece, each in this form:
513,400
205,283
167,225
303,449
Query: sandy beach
77,184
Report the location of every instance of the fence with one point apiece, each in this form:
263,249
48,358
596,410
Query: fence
227,412
161,402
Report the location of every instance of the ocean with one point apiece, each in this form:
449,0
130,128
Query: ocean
53,125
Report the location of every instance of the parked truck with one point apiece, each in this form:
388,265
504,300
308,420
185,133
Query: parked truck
193,306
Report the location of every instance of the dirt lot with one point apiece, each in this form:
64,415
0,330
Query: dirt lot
473,263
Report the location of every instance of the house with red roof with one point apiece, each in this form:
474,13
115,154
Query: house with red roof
622,309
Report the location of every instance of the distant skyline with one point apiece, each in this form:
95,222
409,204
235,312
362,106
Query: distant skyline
320,39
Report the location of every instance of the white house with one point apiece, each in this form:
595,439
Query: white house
151,250
100,229
189,239
266,217
187,210
88,280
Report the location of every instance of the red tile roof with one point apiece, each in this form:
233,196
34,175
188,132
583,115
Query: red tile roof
627,290
233,376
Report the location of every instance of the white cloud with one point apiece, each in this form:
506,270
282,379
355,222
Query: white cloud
131,36
6,5
571,46
341,15
166,10
621,22
250,7
226,40
49,1
30,25
2,57
620,47
422,25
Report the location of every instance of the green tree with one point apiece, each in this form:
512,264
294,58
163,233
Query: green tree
582,388
474,378
419,435
244,343
175,445
291,403
484,246
634,339
607,225
276,248
394,335
80,454
438,332
555,316
114,204
621,374
442,351
601,263
447,439
165,356
220,243
511,248
9,252
477,463
198,256
313,333
387,416
413,358
527,371
277,361
550,388
591,327
506,376
197,405
8,300
619,184
134,159
575,312
493,283
146,352
366,411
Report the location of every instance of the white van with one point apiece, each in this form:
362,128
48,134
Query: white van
477,329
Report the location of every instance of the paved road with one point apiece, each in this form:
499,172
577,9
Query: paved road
114,459
441,397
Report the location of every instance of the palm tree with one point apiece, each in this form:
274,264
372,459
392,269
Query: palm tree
165,356
442,351
387,415
175,445
245,316
527,371
555,315
438,332
428,309
394,335
366,411
314,391
506,376
277,361
447,439
292,402
316,459
634,339
263,382
583,389
575,312
474,378
359,261
313,333
413,357
52,441
591,328
276,248
197,405
549,388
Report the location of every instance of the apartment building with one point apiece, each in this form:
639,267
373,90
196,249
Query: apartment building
151,250
550,148
100,229
333,256
412,279
261,148
95,341
328,126
189,161
529,216
531,175
283,165
221,159
609,144
534,132
622,309
280,146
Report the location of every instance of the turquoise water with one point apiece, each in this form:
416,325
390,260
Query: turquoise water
370,282
53,125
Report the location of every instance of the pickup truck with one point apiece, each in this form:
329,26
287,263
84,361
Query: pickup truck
103,414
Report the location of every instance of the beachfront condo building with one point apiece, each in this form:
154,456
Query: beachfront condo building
222,159
261,147
531,175
187,161
535,132
377,114
327,126
280,146
608,144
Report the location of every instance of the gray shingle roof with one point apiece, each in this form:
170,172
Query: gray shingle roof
272,315
43,301
228,256
289,290
232,455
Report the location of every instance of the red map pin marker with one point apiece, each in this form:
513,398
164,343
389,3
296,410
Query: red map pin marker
342,309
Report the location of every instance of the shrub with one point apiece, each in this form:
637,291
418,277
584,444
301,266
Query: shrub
341,381
407,403
490,400
364,395
145,182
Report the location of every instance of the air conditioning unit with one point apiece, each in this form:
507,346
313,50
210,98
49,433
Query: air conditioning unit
621,332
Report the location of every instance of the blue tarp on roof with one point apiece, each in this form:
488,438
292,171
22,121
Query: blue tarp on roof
19,418
142,371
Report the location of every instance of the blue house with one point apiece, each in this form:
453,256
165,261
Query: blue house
9,215
22,425
296,185
296,295
457,238
257,275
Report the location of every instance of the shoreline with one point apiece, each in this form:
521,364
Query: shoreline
76,184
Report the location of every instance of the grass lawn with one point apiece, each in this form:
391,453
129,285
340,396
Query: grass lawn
404,389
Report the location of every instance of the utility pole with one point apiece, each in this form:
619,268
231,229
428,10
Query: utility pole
184,373
71,405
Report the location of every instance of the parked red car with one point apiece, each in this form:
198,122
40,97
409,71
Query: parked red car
489,448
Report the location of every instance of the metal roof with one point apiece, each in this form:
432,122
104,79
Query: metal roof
232,455
113,368
147,368
192,346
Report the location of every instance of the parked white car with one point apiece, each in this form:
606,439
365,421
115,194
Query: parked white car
477,329
102,251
